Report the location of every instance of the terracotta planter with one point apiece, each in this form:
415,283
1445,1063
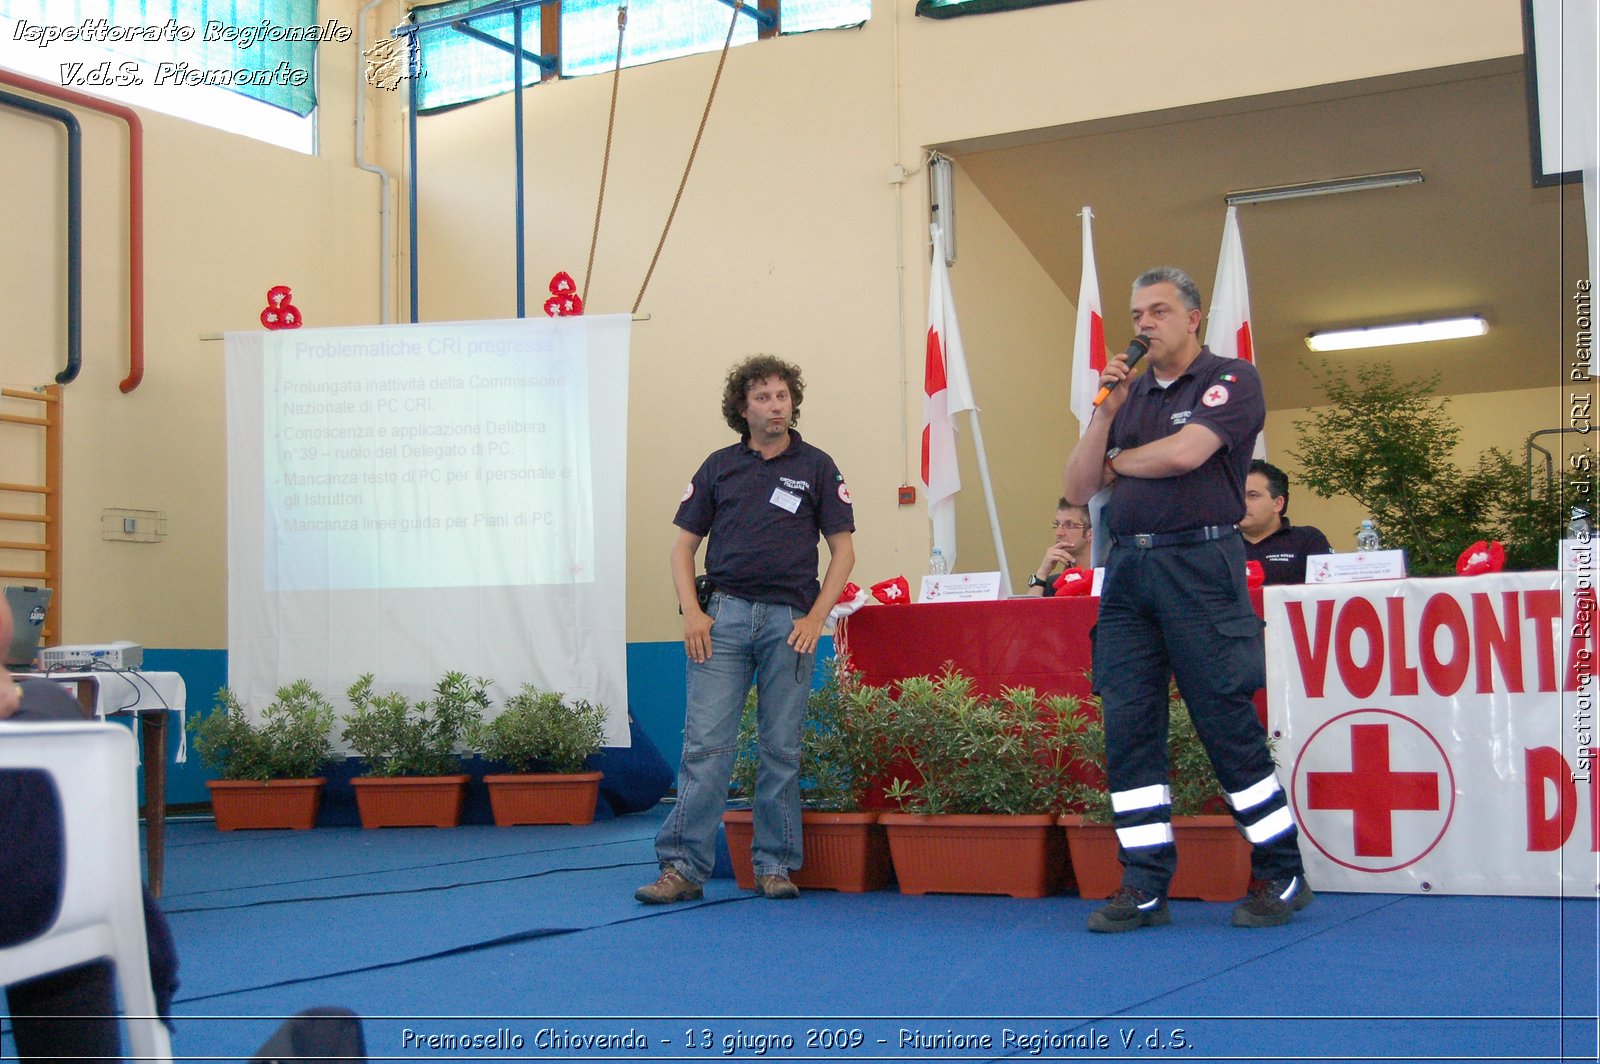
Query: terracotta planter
1022,856
240,804
410,801
1093,849
846,852
544,798
1213,858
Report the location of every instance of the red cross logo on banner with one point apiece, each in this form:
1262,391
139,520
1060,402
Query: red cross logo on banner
1373,790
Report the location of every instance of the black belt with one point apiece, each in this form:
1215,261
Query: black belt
1146,540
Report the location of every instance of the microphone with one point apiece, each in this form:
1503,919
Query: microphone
1136,349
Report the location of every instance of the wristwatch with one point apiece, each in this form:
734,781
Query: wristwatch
1111,456
1034,581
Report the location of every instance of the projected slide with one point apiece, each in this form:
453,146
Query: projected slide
409,500
444,456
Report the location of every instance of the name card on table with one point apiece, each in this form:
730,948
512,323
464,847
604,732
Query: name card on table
1362,565
961,587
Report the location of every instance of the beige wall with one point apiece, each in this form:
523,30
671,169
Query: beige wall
792,237
976,77
226,218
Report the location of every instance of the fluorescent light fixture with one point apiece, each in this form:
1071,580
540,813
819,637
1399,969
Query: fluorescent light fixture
1411,332
1389,179
942,202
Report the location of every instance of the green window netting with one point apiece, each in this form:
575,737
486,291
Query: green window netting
459,67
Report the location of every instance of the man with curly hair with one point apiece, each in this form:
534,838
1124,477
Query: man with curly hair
764,502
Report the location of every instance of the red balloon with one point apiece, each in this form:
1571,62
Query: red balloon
1074,582
893,592
1482,557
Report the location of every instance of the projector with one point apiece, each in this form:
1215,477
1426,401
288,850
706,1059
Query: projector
119,655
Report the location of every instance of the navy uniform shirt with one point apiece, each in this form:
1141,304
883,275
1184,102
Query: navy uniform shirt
764,517
1223,394
1283,554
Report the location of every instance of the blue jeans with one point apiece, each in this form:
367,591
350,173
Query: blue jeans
748,639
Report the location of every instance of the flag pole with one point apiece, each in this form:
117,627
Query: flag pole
949,365
952,393
988,498
1088,359
983,473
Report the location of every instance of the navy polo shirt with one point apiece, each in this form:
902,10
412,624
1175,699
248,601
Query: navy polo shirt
1283,554
1223,394
763,517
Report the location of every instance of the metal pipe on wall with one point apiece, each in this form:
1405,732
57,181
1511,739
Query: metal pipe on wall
385,225
135,207
74,224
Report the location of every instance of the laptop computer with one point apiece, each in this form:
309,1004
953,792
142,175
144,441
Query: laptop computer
28,605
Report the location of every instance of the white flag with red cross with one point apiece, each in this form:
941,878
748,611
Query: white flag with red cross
1089,338
947,391
1228,327
1088,362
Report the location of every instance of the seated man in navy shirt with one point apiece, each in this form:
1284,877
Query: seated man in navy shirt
1269,539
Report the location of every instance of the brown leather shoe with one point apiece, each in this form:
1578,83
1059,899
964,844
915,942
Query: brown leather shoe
778,887
669,887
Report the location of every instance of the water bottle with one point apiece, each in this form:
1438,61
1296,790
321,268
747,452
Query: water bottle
1367,537
937,566
1578,527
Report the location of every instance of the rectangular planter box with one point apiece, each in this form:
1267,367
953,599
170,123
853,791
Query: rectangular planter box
410,801
245,804
847,852
1021,856
1213,858
543,798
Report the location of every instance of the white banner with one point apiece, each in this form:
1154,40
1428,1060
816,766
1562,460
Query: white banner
409,500
1439,735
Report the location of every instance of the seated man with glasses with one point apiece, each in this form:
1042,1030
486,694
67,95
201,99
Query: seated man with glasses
1070,549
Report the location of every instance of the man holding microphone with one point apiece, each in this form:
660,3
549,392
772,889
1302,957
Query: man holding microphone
1174,445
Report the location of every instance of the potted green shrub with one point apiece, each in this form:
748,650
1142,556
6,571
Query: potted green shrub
413,751
271,772
844,847
988,776
1213,858
544,739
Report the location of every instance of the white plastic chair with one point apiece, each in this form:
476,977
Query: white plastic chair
102,908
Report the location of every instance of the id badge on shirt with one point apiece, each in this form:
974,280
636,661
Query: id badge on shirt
786,500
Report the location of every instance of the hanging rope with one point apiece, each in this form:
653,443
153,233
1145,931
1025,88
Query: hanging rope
738,8
611,125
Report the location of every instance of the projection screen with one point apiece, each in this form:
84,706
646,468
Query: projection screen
409,500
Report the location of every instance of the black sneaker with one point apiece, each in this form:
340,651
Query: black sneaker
1129,910
1272,902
